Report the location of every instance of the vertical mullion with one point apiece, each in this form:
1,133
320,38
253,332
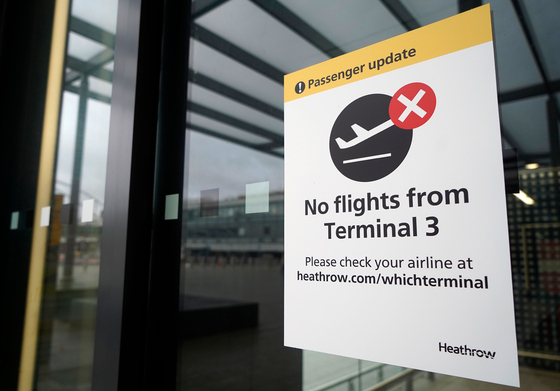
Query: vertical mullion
162,339
120,341
553,136
465,5
76,180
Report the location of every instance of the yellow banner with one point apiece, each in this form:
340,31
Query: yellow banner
447,36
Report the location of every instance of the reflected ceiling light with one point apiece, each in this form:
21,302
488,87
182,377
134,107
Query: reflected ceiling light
531,166
524,197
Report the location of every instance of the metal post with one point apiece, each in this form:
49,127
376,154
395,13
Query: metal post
163,301
410,382
553,137
465,5
120,335
554,140
67,275
360,375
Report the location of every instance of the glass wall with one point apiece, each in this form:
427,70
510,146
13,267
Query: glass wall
69,303
232,250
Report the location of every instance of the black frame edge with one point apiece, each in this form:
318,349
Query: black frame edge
120,341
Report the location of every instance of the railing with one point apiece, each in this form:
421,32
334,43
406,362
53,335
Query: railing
543,356
406,376
350,379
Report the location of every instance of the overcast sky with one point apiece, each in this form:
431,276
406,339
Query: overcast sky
211,163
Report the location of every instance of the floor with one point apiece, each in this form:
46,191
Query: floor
246,359
531,380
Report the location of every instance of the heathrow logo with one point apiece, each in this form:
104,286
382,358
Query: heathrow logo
372,135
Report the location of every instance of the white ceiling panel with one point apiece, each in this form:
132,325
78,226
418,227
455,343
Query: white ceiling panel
221,68
349,25
544,17
100,13
516,67
246,25
429,11
234,109
525,120
220,127
100,86
357,24
83,48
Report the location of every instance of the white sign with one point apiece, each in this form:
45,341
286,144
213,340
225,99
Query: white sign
396,235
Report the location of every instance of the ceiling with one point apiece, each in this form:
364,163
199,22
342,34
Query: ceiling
241,49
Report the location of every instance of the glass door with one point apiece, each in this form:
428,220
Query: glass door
231,297
231,292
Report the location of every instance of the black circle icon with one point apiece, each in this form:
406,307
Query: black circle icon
300,87
365,144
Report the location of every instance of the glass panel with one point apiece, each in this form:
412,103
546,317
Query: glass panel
232,249
431,11
221,68
516,67
542,18
371,21
526,121
102,13
230,107
82,48
65,346
100,86
240,21
232,281
222,129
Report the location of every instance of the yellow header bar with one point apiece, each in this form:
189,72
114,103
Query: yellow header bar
456,33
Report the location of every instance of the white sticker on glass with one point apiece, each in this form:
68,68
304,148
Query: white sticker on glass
172,207
15,221
45,216
87,211
256,197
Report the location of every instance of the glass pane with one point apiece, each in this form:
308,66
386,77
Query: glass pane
516,67
232,250
67,331
232,281
542,17
371,21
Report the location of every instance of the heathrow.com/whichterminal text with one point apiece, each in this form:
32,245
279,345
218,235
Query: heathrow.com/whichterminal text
401,279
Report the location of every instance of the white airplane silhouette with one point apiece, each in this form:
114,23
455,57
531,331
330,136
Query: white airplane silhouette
362,134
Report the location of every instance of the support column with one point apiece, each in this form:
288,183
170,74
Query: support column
67,275
553,138
124,277
465,5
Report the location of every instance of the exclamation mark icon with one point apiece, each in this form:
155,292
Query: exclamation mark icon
300,87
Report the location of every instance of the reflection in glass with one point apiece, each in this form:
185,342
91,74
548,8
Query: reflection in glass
67,329
232,275
232,259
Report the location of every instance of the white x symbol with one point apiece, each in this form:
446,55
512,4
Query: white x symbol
411,105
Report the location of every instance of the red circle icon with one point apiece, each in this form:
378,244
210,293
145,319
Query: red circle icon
412,105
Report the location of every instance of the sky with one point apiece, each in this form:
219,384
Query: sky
213,163
210,162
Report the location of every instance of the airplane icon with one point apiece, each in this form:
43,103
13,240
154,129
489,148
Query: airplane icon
363,134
